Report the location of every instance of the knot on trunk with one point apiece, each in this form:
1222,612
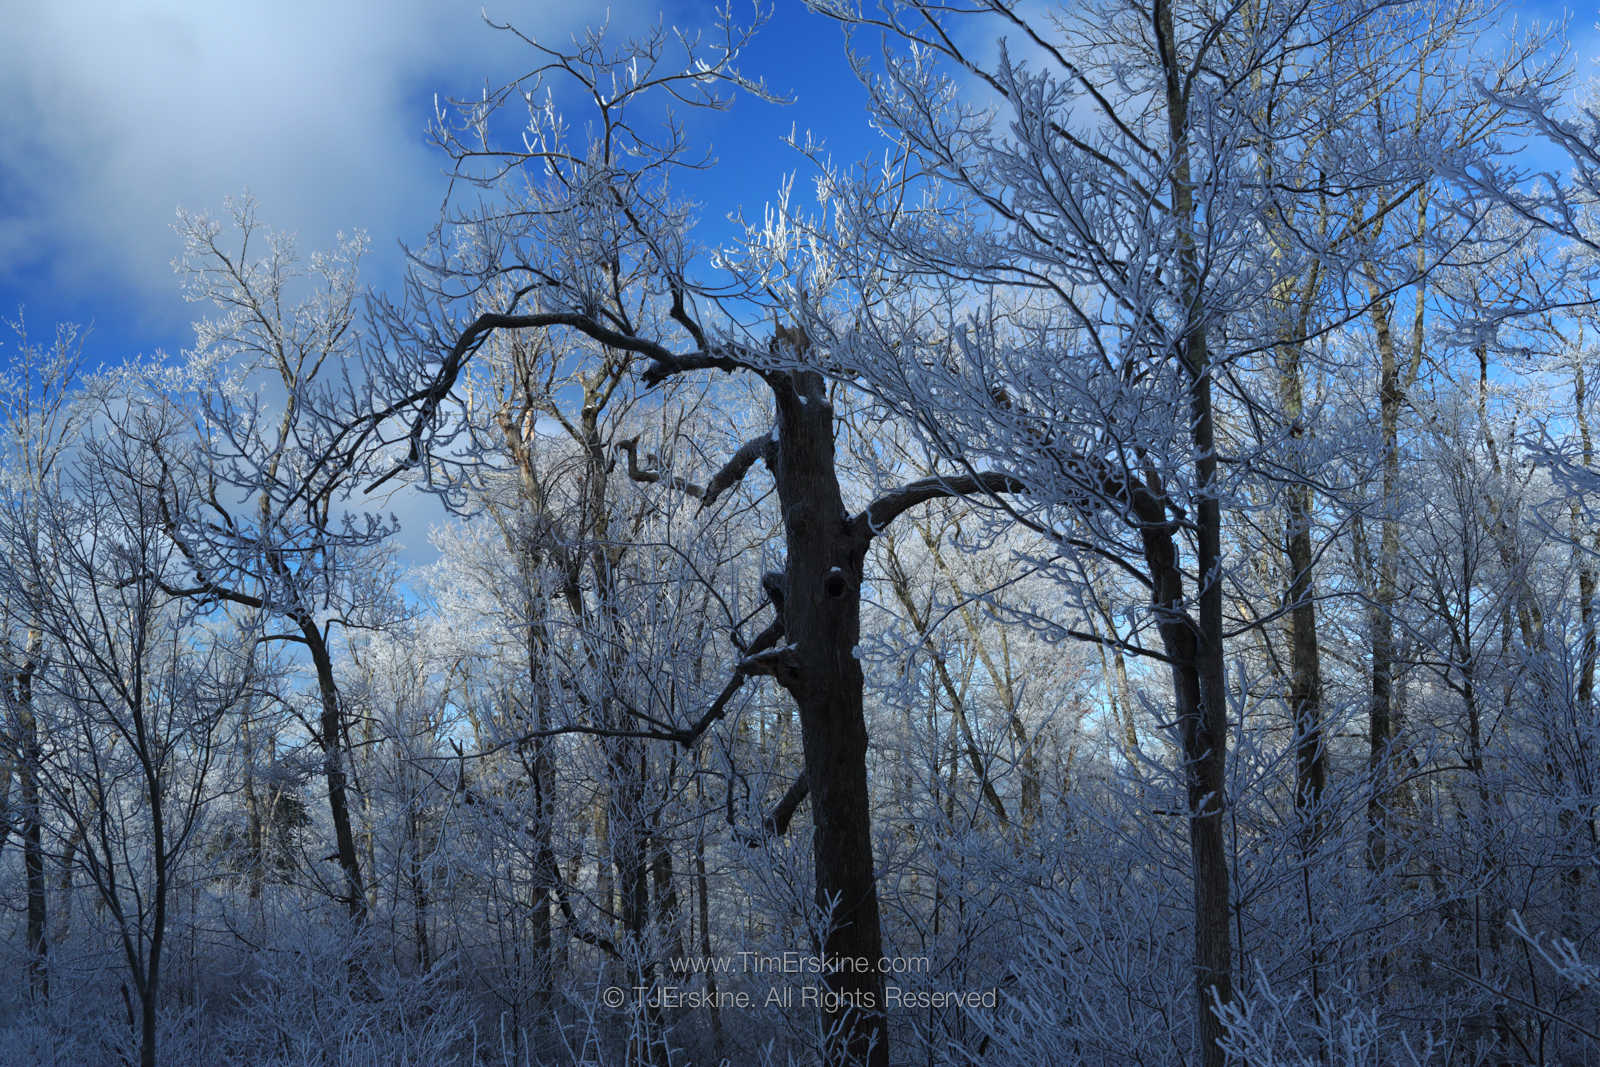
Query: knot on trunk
836,584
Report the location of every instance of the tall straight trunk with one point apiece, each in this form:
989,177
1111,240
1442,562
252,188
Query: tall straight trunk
604,882
626,764
536,760
1305,657
1305,660
1114,671
255,823
664,883
33,863
32,823
702,892
1004,682
627,760
144,961
899,582
419,887
534,752
150,986
1394,384
63,917
1381,601
1589,644
1195,645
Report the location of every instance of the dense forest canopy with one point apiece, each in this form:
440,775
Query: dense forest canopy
1113,580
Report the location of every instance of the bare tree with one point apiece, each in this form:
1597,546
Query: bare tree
590,242
39,410
269,533
135,683
1085,242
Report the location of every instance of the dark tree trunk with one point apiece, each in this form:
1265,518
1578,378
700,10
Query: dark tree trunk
32,825
331,738
1305,658
821,614
1195,645
33,863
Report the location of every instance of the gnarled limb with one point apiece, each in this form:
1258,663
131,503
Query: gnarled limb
737,466
756,448
630,447
429,398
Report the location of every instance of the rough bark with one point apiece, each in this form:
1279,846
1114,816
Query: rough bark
821,616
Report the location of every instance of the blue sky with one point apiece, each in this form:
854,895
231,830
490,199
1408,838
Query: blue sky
118,113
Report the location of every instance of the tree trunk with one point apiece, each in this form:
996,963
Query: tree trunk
331,736
32,825
1380,608
255,824
1305,659
900,583
1589,643
702,888
535,756
1195,645
821,615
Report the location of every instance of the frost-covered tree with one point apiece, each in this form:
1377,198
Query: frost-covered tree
270,530
1087,242
586,239
134,685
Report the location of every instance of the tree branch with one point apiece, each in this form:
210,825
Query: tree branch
630,446
776,824
891,505
765,640
756,448
428,399
666,364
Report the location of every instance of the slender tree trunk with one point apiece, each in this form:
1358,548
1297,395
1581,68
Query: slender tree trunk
1381,603
536,757
702,888
604,880
69,854
150,989
1394,383
331,736
1004,683
1114,670
33,865
1195,645
1589,644
146,965
899,582
32,824
1305,658
669,917
255,832
534,752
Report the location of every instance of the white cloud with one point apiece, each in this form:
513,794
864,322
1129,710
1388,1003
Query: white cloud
117,113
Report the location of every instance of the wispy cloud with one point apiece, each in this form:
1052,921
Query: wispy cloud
117,113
